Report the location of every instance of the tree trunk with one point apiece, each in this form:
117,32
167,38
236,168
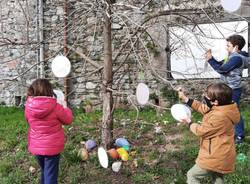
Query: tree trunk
248,19
107,119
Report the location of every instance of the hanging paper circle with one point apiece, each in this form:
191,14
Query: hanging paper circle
231,5
180,111
61,66
142,93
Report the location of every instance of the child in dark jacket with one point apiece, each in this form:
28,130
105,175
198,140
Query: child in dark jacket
217,149
231,73
46,135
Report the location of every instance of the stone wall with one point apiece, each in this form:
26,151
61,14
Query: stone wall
19,52
18,48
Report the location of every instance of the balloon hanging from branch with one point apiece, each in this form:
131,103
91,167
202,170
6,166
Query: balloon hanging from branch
61,66
231,5
142,93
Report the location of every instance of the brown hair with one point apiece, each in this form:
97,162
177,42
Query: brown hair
220,92
40,87
237,40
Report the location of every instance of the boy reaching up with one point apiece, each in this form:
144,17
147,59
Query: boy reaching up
216,132
231,74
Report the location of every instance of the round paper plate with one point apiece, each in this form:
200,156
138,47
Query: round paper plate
180,111
59,96
61,66
230,5
142,93
103,157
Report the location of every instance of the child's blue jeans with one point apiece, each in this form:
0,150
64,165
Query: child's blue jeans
239,127
49,168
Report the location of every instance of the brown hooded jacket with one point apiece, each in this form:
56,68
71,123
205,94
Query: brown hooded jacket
216,132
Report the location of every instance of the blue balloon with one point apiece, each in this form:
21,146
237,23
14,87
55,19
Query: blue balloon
120,142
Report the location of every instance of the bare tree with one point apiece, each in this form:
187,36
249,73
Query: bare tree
107,119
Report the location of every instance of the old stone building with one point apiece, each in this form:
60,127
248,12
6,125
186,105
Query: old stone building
33,32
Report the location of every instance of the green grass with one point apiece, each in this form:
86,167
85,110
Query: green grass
163,157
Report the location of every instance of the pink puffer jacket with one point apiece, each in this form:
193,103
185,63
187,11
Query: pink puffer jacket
45,118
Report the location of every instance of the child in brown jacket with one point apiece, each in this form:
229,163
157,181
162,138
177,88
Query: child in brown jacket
216,131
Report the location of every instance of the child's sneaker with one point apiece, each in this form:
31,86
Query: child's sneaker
239,140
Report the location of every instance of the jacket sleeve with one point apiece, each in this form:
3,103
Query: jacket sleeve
64,114
214,63
231,64
26,115
209,129
200,107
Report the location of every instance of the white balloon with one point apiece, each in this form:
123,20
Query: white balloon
59,96
142,93
103,157
180,111
61,66
231,5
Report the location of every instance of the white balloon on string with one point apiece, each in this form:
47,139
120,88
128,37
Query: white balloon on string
180,111
231,5
142,93
61,66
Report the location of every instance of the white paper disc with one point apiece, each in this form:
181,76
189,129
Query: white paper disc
230,5
180,111
61,66
103,157
59,96
142,93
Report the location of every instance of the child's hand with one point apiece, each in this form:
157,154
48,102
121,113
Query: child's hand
208,55
64,104
185,121
182,94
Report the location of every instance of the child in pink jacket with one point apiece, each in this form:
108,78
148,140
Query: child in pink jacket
46,135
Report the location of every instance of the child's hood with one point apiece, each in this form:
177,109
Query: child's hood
231,111
40,107
244,53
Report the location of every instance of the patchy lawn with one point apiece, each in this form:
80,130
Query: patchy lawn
161,151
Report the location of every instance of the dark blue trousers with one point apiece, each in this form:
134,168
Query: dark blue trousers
49,168
239,127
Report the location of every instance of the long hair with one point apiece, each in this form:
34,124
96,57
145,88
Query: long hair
40,87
